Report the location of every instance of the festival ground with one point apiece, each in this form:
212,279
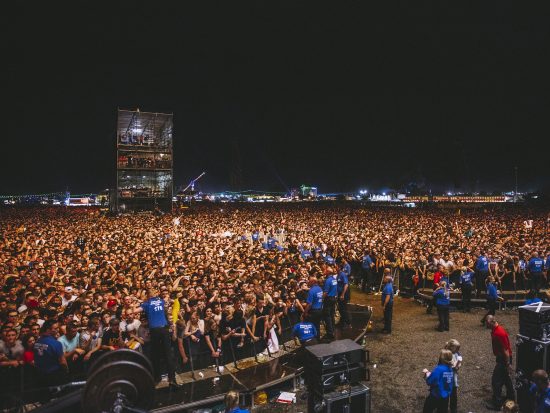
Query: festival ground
397,382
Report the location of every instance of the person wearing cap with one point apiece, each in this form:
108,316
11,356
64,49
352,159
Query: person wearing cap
157,315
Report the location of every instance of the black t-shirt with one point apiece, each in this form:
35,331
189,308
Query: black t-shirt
260,322
110,339
239,326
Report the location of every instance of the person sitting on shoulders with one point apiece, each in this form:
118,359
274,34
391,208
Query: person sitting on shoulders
441,382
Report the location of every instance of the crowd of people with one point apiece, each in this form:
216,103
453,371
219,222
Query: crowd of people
74,283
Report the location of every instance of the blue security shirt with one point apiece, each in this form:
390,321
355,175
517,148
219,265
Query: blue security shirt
346,268
522,265
536,264
441,297
47,351
154,310
306,254
482,264
271,242
239,410
342,280
387,291
331,286
441,381
315,297
467,278
542,399
367,262
304,331
329,259
255,236
492,292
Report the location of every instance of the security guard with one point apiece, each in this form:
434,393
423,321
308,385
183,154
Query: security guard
387,301
367,265
156,312
314,304
305,332
536,268
540,391
482,271
330,294
49,358
343,297
466,286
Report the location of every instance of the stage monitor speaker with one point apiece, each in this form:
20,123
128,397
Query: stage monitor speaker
531,355
338,354
328,380
534,321
537,313
341,401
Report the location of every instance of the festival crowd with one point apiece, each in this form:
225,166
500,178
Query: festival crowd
232,272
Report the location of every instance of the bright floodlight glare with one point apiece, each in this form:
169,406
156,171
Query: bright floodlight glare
383,193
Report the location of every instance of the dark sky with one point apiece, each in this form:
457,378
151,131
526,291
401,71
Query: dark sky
344,96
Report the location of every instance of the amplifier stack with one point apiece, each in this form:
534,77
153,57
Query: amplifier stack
334,374
532,348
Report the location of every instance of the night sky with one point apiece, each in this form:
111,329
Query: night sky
344,97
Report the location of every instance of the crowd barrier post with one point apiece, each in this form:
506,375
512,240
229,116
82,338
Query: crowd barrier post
233,353
191,364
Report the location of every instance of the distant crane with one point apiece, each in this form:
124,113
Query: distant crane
192,183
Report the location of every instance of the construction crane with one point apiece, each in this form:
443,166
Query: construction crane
192,183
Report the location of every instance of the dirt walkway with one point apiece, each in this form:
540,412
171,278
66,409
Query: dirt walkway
397,383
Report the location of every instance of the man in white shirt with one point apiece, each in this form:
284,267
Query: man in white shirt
68,297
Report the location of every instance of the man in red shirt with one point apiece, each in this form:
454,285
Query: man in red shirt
503,368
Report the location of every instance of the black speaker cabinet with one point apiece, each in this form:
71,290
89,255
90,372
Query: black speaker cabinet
341,401
537,313
534,321
338,354
324,382
531,355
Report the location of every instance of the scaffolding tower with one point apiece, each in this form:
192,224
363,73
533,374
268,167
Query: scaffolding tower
144,162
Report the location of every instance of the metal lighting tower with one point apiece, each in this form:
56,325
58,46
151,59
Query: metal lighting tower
144,162
516,190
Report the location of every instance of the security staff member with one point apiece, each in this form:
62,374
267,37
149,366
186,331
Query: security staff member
387,301
466,286
442,302
343,297
366,265
540,391
314,304
492,298
49,358
305,332
482,271
157,316
330,294
536,268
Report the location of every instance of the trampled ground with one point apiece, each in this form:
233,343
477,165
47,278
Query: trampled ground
397,382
